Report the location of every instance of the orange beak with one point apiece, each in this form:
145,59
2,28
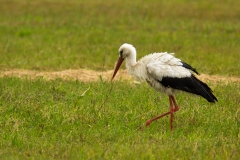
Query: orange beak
119,62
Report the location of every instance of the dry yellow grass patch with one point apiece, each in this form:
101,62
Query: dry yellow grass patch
86,75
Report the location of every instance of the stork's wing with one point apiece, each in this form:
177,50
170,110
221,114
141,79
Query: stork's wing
171,72
166,65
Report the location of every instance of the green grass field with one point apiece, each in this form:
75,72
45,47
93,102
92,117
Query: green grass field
53,119
50,119
57,35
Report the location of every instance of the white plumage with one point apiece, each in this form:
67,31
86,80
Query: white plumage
164,73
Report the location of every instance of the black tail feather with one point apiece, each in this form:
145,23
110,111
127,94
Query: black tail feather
190,84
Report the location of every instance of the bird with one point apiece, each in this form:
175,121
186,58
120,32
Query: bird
165,73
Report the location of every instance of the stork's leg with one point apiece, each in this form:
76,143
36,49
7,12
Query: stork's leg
175,103
153,119
172,110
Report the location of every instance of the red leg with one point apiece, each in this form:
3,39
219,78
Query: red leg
172,110
175,109
153,119
175,104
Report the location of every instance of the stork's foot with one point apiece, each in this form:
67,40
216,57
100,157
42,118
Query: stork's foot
148,123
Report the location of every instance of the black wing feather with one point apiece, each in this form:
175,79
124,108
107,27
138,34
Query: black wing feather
190,84
185,65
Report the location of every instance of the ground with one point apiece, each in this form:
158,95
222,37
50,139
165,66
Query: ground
86,75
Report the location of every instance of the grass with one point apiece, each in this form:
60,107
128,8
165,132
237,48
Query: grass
57,35
51,120
54,120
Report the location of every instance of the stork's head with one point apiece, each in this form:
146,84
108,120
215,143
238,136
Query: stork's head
125,51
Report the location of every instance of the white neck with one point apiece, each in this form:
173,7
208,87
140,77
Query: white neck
131,60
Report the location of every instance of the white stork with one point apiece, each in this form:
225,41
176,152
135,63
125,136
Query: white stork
164,73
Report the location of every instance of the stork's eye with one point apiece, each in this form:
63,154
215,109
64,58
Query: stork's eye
121,52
